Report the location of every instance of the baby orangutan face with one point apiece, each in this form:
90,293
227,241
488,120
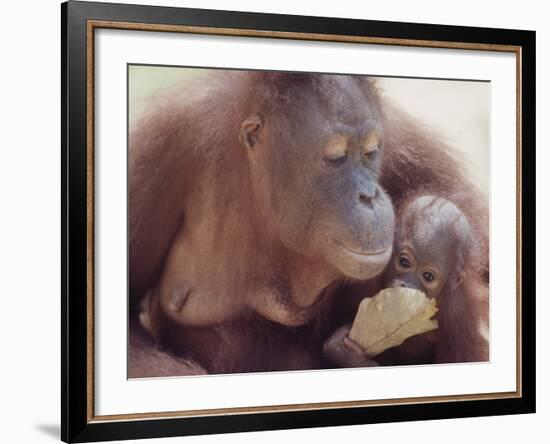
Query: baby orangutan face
412,270
430,235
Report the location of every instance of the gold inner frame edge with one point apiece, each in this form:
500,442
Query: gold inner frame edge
97,24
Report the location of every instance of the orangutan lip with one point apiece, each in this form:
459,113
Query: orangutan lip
364,253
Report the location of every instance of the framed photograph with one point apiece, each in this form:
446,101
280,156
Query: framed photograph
276,221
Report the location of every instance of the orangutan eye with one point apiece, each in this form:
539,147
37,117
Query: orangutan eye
336,161
372,153
428,276
335,150
404,262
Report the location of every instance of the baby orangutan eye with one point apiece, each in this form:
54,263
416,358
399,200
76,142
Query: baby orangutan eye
404,262
428,276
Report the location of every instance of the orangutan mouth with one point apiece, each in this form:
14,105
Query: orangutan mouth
379,252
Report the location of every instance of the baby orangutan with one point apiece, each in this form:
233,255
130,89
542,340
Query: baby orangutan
434,253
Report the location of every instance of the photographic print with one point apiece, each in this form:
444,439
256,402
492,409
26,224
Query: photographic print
283,221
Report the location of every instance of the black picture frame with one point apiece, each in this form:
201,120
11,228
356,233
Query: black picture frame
77,424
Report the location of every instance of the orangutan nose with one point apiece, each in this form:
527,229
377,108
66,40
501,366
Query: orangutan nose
367,195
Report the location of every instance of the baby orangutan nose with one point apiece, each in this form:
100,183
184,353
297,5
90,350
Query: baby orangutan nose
408,280
395,283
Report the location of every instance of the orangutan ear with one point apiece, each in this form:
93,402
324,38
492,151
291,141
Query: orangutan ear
251,130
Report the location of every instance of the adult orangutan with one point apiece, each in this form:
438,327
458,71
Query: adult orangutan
252,196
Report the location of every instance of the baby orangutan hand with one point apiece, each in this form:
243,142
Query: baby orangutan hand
344,352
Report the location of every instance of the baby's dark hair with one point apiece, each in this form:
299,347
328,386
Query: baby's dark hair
466,247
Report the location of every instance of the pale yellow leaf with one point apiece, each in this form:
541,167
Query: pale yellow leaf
392,316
